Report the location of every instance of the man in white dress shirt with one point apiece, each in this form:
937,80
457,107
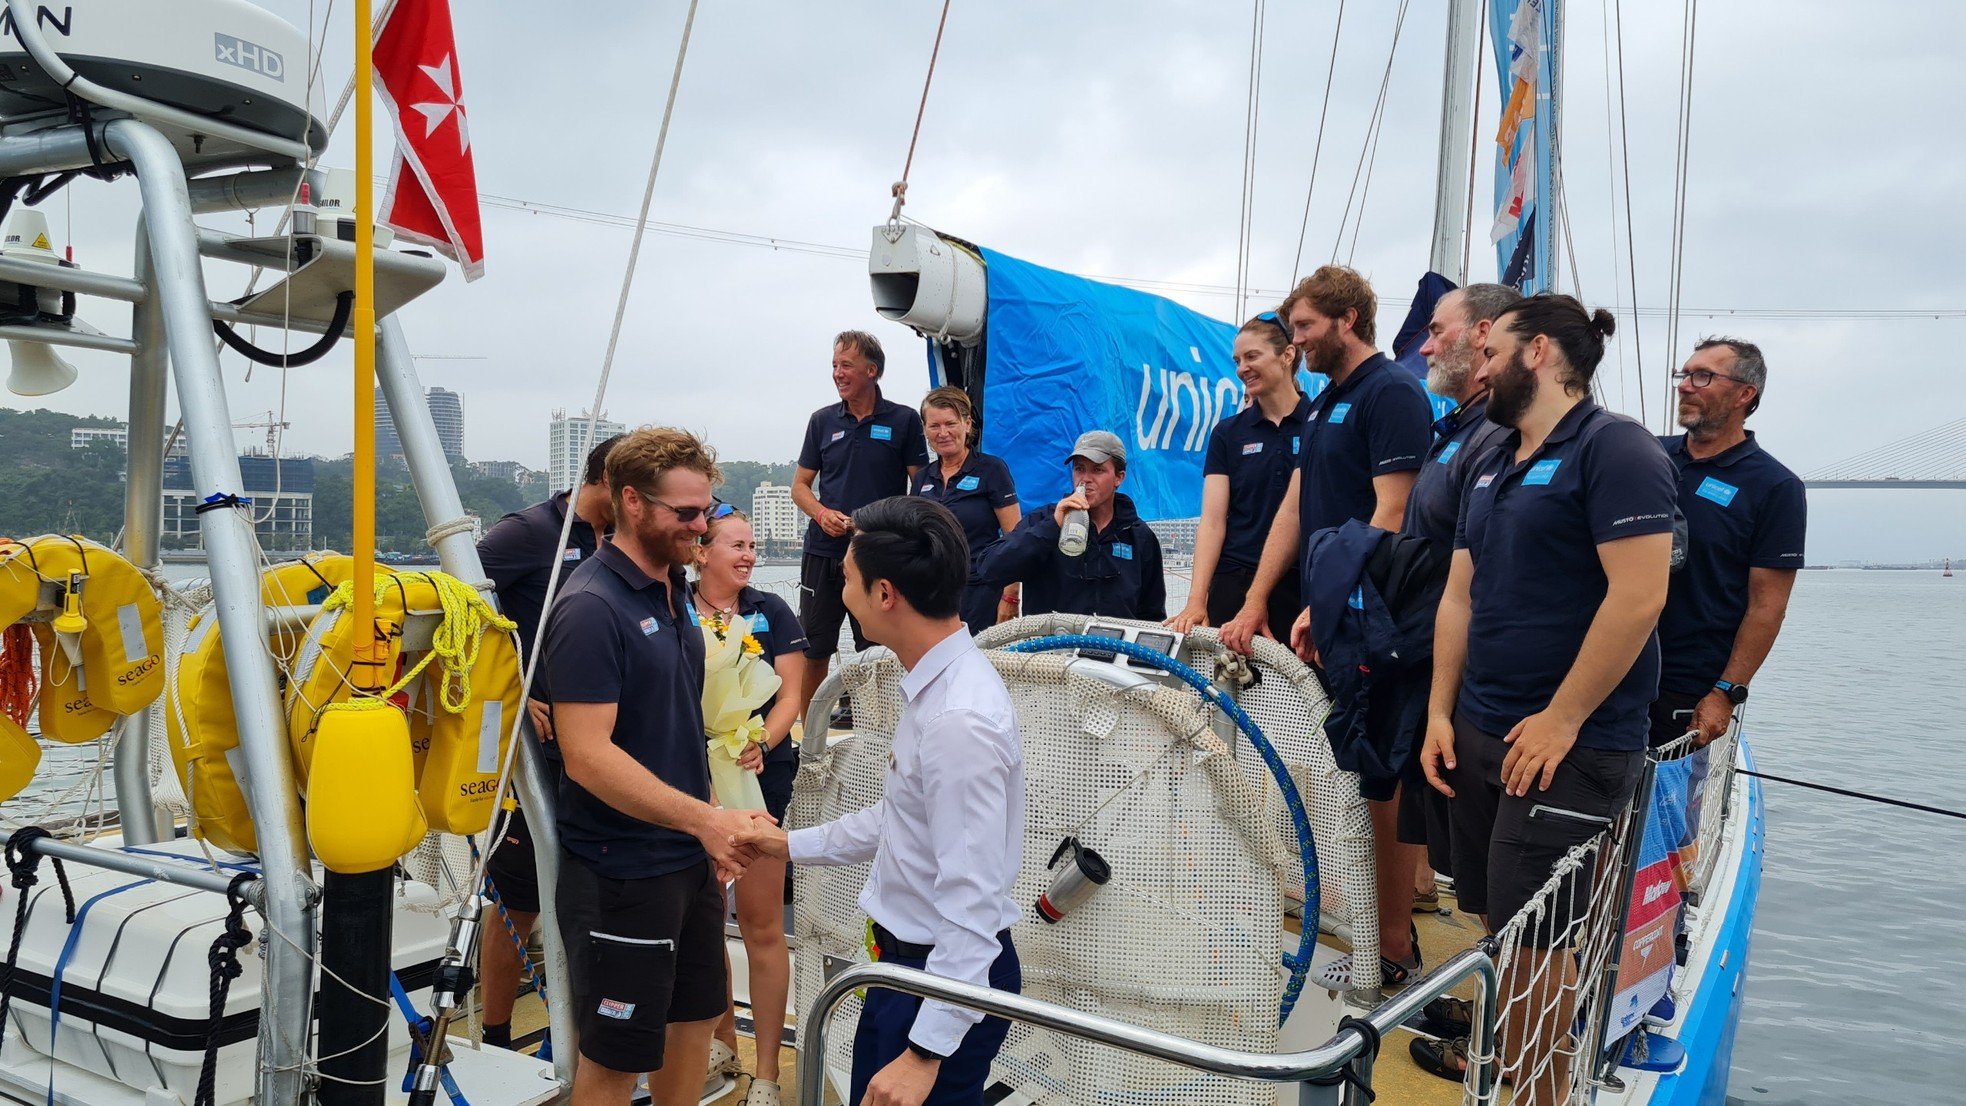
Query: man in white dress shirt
947,836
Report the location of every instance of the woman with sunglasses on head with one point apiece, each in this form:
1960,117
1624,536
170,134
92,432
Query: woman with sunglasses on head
727,554
1245,472
976,487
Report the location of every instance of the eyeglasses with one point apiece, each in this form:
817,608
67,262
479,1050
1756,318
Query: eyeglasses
1703,377
686,515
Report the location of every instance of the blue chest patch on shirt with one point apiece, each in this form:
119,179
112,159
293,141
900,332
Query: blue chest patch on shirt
881,433
1542,471
1357,601
1338,412
759,623
1296,445
968,484
1447,454
1719,491
1123,551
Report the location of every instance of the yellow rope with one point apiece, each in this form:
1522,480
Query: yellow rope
459,636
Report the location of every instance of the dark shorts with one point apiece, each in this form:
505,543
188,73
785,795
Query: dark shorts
642,953
1230,586
888,1016
1506,847
1672,716
1425,818
821,610
776,782
514,871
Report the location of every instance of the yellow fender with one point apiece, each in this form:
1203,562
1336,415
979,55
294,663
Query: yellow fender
121,630
198,710
362,813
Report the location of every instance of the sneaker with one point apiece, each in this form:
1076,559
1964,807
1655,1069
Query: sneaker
723,1061
763,1092
1427,902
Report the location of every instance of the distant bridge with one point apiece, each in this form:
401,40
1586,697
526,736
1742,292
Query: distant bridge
1934,458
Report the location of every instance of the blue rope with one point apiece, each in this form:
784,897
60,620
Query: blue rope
1299,963
61,966
420,1025
545,1051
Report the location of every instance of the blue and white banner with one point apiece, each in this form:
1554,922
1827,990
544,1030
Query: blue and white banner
1522,32
1066,355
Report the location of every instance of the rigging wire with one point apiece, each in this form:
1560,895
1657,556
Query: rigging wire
1369,152
1631,241
900,189
497,837
1611,179
1682,156
1317,149
1245,220
1474,149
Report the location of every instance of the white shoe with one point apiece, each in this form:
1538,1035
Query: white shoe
763,1092
724,1060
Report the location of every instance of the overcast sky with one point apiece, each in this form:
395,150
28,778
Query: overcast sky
1107,139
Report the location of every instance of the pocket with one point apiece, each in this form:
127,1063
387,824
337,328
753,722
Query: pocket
631,975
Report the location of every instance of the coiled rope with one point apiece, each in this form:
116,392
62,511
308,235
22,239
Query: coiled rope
19,682
224,961
455,644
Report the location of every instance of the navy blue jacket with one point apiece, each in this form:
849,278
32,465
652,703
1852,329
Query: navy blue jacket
1118,575
1373,595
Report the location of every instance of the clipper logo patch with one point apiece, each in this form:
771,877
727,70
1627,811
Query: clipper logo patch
616,1009
1250,449
650,626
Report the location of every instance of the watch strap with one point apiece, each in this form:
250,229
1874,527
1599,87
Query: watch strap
925,1053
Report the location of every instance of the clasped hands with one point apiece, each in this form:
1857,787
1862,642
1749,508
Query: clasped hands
735,839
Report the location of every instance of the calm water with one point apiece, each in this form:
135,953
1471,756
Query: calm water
1854,992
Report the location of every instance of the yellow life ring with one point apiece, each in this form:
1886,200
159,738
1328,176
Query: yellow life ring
20,755
119,640
459,690
198,713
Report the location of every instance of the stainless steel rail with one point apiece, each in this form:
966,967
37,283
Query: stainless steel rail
148,867
1288,1067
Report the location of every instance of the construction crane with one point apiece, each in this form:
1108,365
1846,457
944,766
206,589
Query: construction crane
273,425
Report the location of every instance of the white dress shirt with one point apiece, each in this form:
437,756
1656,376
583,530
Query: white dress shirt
948,834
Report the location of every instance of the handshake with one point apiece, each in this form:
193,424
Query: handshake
736,839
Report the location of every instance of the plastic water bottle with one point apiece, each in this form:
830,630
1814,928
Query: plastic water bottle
1077,530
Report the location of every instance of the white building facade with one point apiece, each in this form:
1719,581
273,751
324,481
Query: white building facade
567,444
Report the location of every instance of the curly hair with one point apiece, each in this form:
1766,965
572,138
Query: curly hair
1334,290
640,459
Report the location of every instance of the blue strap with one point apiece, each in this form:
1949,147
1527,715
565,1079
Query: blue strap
420,1024
194,861
61,965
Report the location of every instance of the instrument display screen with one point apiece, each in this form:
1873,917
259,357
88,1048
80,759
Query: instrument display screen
1158,642
1113,633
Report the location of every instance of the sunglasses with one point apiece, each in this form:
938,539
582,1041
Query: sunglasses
1282,327
686,515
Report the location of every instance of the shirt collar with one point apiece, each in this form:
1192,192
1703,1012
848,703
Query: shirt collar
1726,458
939,657
1571,423
1252,415
879,402
1366,368
631,573
1467,414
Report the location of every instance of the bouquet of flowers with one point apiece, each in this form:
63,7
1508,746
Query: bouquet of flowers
736,682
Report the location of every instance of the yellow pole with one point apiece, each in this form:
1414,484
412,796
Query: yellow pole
367,678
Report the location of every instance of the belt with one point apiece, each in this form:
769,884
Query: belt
887,944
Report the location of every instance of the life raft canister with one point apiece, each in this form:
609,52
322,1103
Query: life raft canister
204,731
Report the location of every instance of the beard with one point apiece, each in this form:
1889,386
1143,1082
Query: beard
1511,391
1698,421
1447,374
1325,355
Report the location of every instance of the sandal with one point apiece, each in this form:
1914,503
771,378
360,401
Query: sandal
1447,1018
763,1092
1447,1059
1337,975
723,1060
1427,902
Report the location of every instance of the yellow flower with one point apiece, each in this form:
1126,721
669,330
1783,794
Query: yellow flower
752,648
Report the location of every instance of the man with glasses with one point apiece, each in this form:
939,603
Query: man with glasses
1745,517
644,854
856,451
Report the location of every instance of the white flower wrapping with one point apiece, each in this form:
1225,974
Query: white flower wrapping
736,682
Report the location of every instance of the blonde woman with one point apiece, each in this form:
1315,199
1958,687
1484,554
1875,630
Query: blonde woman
975,487
728,553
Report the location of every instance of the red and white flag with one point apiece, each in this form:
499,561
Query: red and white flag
433,190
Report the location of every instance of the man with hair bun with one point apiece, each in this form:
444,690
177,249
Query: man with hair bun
1546,659
947,835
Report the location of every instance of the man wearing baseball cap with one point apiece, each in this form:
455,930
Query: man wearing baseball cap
1118,575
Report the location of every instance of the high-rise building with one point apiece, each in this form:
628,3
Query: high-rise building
282,507
774,518
387,444
567,444
447,412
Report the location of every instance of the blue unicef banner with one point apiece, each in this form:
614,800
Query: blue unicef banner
1066,355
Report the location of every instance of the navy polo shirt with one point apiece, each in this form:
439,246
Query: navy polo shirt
777,630
1744,510
980,486
1257,456
617,636
1118,575
1376,423
1464,439
1533,528
518,555
859,461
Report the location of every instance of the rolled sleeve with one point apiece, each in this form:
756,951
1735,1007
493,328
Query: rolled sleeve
966,773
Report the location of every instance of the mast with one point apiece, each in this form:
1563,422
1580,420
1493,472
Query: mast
1457,122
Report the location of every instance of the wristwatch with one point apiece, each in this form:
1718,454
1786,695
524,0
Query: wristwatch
1736,693
924,1053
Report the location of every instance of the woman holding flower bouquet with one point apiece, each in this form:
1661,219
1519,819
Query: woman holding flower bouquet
753,646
